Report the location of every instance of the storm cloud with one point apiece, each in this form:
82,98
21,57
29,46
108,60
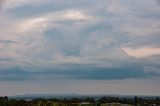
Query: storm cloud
79,40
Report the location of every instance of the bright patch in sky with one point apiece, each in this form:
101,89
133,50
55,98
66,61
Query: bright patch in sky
142,52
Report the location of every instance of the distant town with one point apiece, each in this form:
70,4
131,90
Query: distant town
79,100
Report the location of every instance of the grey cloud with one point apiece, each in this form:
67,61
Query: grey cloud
158,2
1,4
5,59
7,42
29,9
76,72
42,46
12,74
142,41
98,41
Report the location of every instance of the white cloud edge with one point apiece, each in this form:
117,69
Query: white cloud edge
142,52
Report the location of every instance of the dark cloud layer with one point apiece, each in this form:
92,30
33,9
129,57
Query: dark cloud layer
79,72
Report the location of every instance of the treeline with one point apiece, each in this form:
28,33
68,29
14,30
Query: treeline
136,101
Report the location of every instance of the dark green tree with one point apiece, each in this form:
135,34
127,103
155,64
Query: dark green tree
135,101
4,101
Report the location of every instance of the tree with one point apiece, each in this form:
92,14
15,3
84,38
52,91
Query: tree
12,102
3,101
135,101
103,100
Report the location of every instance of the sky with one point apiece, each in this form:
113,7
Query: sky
79,46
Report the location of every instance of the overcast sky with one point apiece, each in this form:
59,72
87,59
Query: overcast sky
80,46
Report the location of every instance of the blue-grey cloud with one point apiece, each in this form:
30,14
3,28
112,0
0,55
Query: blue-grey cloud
5,59
78,72
31,9
158,1
6,42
